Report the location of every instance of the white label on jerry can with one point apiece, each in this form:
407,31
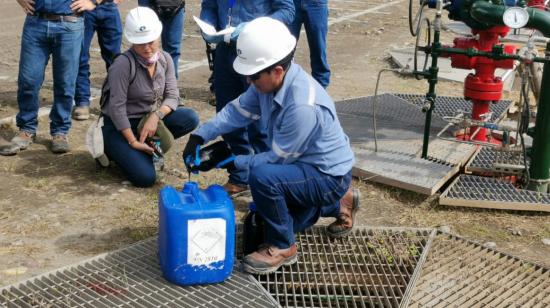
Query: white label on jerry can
206,241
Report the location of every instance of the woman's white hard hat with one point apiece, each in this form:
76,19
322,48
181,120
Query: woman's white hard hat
142,26
263,42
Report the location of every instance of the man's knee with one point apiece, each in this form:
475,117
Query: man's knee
262,177
30,77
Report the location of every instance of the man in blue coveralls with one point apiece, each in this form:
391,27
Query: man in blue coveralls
306,172
228,85
105,19
313,14
52,27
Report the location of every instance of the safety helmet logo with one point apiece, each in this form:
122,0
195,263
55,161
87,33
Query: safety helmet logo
142,28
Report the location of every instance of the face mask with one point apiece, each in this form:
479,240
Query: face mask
150,61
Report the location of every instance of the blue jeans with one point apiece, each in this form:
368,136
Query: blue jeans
105,19
136,165
291,198
314,15
172,34
40,39
228,85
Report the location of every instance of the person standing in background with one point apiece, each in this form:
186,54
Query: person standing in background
172,16
52,28
313,14
228,84
105,20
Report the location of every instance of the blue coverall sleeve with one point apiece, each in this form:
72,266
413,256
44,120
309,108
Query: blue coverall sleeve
290,140
238,113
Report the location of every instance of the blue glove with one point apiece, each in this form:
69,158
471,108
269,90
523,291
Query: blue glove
191,151
212,39
233,36
216,155
228,163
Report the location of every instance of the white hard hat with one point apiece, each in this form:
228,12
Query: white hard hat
142,25
262,43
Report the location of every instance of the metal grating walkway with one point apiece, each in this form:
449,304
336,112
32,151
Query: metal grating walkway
397,119
400,129
371,268
491,160
130,277
461,273
484,192
447,106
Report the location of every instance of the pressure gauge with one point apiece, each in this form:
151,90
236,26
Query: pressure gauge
515,17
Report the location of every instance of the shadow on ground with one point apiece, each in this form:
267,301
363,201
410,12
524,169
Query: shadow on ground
75,167
92,243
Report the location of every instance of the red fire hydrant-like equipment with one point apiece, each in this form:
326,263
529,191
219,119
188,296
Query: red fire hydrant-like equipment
539,4
483,87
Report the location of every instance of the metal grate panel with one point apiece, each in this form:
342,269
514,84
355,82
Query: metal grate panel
370,268
130,277
461,273
477,191
447,106
396,119
404,171
400,131
487,158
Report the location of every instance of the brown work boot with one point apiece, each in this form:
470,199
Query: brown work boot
212,99
7,148
23,139
81,113
60,144
268,259
232,189
349,204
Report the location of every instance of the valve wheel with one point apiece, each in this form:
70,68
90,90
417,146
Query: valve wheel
424,26
414,21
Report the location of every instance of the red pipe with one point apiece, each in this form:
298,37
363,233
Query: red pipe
538,4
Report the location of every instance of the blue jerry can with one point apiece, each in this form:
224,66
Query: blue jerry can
196,234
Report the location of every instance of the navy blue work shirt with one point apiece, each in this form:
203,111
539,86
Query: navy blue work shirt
216,12
58,7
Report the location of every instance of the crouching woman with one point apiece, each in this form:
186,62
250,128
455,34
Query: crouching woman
143,91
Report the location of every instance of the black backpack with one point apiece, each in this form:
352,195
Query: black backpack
167,8
106,89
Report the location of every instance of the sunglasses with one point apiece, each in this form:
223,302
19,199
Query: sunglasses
257,76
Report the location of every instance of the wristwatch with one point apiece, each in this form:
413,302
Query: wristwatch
160,114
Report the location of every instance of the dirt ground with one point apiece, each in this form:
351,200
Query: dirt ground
59,209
